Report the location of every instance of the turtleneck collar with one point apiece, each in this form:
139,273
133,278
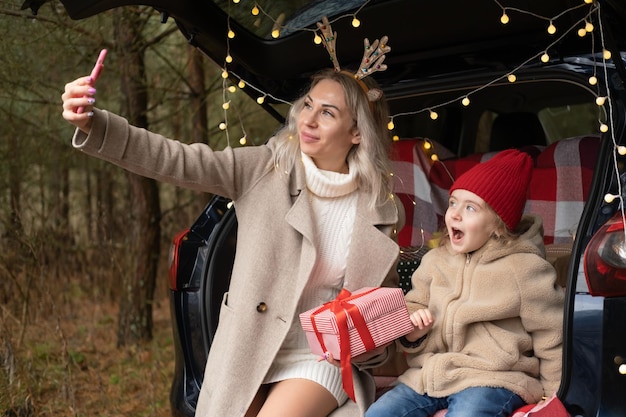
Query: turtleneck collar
327,183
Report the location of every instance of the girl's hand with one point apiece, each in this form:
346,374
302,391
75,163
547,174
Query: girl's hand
79,94
423,321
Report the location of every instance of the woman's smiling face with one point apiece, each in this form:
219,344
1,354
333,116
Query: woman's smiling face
469,220
326,126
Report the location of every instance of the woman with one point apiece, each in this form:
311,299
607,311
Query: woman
315,214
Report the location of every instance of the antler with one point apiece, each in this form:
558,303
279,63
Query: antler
373,57
329,38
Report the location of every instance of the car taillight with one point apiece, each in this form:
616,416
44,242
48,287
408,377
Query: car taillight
173,258
605,259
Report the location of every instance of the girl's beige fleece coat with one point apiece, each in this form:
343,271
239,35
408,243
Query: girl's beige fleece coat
498,319
275,251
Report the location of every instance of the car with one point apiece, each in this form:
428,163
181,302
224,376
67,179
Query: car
464,80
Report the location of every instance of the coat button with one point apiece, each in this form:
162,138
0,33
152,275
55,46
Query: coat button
261,307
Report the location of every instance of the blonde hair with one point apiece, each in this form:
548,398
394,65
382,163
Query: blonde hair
370,158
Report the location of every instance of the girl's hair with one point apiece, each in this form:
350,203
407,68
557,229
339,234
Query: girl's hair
370,158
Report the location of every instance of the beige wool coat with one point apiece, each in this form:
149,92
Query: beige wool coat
498,319
275,251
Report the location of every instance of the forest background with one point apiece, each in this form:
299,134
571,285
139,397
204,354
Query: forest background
85,324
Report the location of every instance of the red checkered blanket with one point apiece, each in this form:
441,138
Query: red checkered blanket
559,187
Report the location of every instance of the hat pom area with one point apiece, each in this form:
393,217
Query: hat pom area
502,182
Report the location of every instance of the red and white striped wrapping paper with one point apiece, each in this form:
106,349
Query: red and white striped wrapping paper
382,309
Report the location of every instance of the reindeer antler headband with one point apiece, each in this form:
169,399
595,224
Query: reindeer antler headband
372,61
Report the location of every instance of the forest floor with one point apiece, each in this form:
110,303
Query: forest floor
66,362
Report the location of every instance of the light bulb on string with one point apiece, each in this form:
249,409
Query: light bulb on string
593,80
504,19
241,84
356,22
512,78
243,140
229,59
317,39
231,34
275,33
600,100
551,28
390,125
434,157
224,73
260,100
236,1
396,138
604,127
545,57
582,32
255,10
433,115
588,1
427,145
465,101
232,89
606,54
226,105
621,150
589,27
222,126
609,198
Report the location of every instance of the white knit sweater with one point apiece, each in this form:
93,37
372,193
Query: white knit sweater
334,204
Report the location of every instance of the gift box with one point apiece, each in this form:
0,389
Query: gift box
372,317
355,323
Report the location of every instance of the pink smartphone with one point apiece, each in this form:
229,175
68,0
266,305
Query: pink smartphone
95,72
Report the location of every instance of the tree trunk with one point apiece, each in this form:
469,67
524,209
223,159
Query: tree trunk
138,284
199,119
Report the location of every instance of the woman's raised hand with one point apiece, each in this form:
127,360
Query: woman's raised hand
78,100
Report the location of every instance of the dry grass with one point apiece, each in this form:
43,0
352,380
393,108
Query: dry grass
61,359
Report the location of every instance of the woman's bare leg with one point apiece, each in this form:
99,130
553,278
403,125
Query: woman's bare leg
298,397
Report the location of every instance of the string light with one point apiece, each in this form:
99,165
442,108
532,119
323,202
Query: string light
604,127
232,89
551,28
231,34
465,101
621,150
504,18
609,198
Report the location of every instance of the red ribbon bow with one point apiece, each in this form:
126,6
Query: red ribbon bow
342,308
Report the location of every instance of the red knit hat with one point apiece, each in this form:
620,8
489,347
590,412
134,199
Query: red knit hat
502,182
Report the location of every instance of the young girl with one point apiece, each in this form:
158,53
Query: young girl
485,305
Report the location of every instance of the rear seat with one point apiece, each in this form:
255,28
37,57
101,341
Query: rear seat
559,187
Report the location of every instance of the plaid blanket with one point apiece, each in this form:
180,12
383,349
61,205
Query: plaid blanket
559,186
